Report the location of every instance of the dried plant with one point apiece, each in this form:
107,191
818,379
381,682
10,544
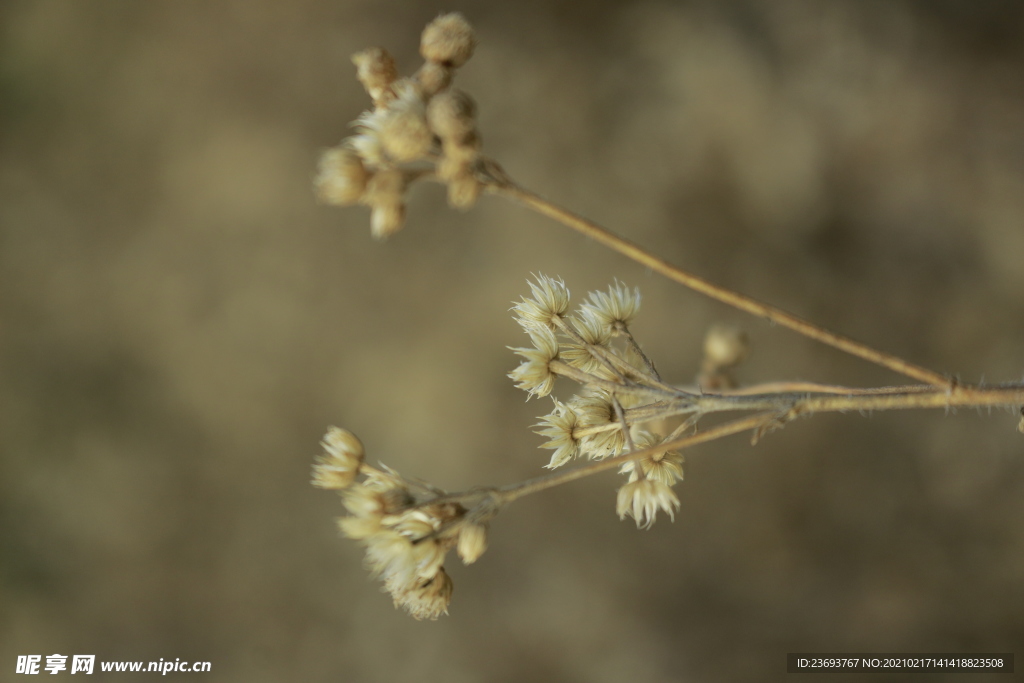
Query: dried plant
423,129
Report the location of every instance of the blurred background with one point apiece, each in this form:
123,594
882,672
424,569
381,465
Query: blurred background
180,322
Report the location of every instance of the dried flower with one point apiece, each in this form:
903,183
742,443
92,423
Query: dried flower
725,346
375,69
550,301
448,40
341,177
616,307
663,467
463,192
428,598
338,467
403,126
594,409
433,78
641,500
452,115
559,426
534,374
472,541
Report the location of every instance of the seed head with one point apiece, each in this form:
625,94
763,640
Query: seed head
341,177
595,409
472,541
550,300
451,115
403,126
725,347
433,78
534,374
618,306
559,426
463,192
642,499
339,465
375,69
448,40
427,598
663,467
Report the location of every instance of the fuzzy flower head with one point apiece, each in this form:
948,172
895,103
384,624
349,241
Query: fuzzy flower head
615,308
402,127
641,500
596,412
663,467
472,541
558,426
341,177
338,467
448,40
550,300
426,598
534,374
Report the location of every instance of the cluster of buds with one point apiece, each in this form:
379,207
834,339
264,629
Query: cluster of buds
621,390
417,120
407,527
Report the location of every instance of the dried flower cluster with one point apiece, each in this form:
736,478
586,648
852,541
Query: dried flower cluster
407,527
615,377
420,119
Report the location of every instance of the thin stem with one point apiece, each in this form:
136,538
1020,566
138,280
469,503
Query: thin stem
883,398
628,387
640,352
515,491
500,184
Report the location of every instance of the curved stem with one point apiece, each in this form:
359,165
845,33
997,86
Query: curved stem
499,183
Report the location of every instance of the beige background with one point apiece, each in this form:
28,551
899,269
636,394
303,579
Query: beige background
180,322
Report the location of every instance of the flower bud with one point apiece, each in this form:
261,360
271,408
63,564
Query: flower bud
724,347
375,69
448,40
339,466
472,542
341,177
433,78
451,115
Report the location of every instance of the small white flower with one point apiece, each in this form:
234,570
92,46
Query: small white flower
642,499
